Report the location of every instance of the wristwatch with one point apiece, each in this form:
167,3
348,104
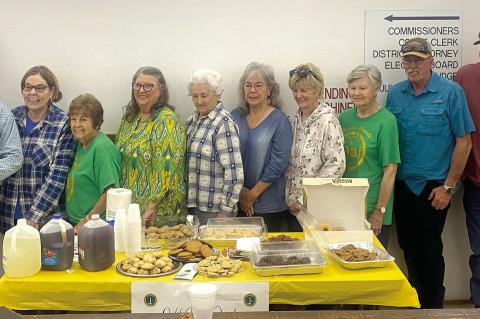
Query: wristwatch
449,189
381,209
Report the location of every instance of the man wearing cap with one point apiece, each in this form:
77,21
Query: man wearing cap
434,127
469,78
11,156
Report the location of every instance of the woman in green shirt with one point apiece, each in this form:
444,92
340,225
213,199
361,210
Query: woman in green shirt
151,141
97,162
371,146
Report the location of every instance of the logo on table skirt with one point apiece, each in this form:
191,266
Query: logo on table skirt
249,300
150,300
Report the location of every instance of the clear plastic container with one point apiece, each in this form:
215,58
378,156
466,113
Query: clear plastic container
21,251
96,245
228,230
57,239
169,233
287,258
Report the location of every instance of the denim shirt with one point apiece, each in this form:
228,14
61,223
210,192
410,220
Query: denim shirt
428,124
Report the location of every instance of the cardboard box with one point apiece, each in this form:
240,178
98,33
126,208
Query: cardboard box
338,203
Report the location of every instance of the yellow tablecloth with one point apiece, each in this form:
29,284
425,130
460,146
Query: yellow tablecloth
109,290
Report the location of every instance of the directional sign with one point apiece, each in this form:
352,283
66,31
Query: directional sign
387,31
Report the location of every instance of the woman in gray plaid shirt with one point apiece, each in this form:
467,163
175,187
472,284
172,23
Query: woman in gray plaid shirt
214,161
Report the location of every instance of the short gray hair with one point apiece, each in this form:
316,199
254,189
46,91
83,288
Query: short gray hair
206,76
369,71
266,72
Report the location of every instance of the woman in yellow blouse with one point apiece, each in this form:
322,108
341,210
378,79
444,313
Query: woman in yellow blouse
151,141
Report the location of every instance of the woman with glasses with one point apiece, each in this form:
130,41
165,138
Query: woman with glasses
265,141
34,191
317,149
214,162
97,162
371,146
151,141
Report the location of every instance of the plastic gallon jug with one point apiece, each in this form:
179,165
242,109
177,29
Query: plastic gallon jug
21,251
57,244
96,245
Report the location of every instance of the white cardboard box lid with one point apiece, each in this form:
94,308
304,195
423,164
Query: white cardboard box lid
341,200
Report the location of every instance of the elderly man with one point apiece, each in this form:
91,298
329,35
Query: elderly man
11,156
434,135
469,78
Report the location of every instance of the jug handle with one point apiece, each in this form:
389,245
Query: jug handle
13,242
64,232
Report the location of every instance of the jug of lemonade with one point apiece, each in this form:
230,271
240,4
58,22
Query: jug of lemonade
21,251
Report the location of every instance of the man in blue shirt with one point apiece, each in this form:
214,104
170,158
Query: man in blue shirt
434,126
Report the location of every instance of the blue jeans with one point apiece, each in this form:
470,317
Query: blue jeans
471,203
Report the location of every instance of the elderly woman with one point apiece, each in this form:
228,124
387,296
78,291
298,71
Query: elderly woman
97,162
214,161
317,149
371,146
151,141
265,143
34,191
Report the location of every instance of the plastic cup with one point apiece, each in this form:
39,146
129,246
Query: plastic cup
202,299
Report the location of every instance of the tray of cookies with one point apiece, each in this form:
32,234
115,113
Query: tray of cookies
192,251
225,231
287,258
358,255
169,235
148,264
220,266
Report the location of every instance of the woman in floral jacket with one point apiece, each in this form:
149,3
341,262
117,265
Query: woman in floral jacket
317,149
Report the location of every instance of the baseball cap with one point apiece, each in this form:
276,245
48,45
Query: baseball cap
417,47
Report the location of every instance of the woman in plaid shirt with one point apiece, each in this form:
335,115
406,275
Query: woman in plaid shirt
34,191
214,161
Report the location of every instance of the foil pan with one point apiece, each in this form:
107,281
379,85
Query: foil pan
383,257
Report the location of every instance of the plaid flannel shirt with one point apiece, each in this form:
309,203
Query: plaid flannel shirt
11,156
214,162
48,155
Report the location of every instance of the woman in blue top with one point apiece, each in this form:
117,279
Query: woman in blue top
265,142
34,191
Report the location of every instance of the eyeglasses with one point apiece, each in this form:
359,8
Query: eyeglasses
418,49
38,88
412,60
302,73
147,87
257,87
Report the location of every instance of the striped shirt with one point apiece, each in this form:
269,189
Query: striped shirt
11,157
48,155
214,162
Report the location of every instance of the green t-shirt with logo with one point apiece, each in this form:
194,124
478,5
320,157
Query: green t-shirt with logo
371,143
93,170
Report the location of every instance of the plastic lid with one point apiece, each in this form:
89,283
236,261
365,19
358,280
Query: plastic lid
21,222
95,216
57,216
203,289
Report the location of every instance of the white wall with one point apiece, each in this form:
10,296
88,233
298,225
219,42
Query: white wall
95,46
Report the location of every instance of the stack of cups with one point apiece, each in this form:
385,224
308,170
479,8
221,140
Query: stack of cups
119,229
202,299
133,231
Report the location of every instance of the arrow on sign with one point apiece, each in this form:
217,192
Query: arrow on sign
392,18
